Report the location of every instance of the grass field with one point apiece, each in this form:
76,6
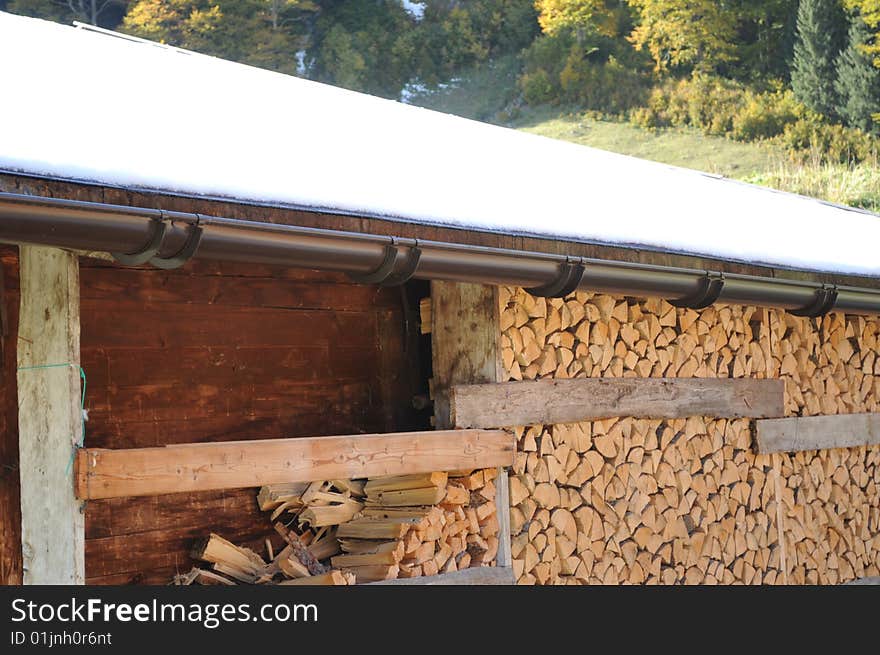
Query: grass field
489,94
678,147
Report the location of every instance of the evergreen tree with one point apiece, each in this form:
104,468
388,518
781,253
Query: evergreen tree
858,81
819,42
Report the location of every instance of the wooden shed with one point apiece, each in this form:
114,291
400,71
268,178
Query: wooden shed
659,376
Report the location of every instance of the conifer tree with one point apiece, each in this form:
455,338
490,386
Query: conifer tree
819,35
858,81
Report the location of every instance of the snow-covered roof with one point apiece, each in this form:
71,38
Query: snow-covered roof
87,106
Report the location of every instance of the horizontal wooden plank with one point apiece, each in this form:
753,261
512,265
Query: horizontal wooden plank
114,517
131,324
223,365
235,464
123,433
478,575
174,287
787,435
570,401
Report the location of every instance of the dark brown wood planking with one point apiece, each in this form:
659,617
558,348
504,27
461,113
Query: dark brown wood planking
10,508
217,351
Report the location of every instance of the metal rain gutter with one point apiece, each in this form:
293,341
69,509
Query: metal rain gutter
168,239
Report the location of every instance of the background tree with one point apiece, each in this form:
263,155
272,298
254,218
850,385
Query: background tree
820,32
105,13
858,81
242,30
574,15
355,44
694,34
765,33
870,13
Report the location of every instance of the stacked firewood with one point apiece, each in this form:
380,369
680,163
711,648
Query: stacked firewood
830,499
627,500
340,532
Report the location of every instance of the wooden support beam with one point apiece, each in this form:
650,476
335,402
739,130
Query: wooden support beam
478,575
570,401
787,435
236,464
49,417
465,340
466,349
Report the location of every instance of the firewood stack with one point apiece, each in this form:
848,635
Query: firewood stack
340,532
628,500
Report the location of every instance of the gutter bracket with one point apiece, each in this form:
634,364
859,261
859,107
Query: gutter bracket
826,298
570,275
150,250
708,292
385,274
183,255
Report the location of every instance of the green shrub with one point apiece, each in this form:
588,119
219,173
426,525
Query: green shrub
559,69
537,87
765,115
810,138
705,102
646,118
712,102
602,86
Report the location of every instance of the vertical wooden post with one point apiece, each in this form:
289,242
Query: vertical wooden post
466,349
49,417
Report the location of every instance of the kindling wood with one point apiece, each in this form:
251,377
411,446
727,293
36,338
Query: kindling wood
228,465
571,401
49,417
786,435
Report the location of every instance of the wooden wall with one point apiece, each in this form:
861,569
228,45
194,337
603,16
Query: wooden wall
218,352
10,509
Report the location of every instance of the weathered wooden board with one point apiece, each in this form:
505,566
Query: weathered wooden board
786,435
10,503
465,340
570,401
49,417
200,467
478,575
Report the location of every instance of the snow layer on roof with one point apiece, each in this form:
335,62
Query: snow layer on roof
87,106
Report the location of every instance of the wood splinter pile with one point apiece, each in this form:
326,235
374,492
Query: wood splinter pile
341,532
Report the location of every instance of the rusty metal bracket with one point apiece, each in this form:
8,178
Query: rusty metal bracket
826,297
158,227
708,292
183,255
570,274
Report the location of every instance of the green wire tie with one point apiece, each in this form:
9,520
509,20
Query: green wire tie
82,405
